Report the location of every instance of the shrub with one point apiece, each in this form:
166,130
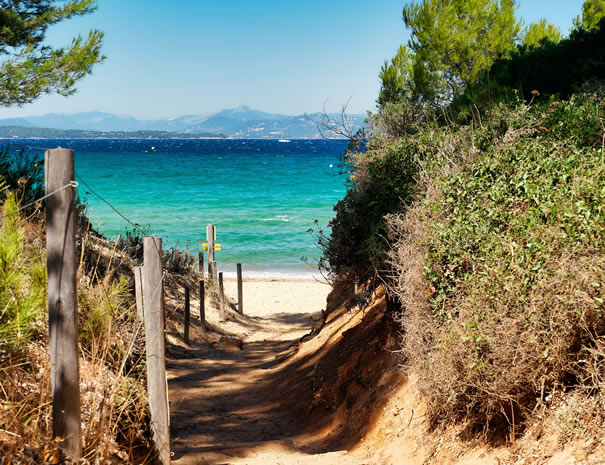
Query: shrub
178,261
22,282
553,69
499,263
382,181
114,409
23,173
131,244
100,306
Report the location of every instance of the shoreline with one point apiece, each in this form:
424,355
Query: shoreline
281,303
270,276
269,273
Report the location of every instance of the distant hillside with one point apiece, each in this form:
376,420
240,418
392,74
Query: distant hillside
241,122
22,132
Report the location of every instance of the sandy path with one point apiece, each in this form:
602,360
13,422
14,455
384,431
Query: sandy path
224,409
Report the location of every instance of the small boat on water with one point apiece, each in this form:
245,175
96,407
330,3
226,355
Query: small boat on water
284,140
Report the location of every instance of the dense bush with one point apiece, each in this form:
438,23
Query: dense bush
359,232
553,68
178,261
381,181
494,206
131,244
499,263
23,173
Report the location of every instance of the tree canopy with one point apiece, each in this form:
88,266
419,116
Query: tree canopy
536,33
30,67
451,42
592,12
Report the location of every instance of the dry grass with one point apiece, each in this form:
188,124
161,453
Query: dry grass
115,415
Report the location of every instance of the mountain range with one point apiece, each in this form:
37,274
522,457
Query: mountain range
242,122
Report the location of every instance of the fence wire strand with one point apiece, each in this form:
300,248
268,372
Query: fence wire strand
73,184
132,223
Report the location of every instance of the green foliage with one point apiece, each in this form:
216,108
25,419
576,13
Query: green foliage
510,241
541,31
131,243
486,174
32,68
99,306
22,283
177,261
592,13
383,182
547,181
451,42
396,78
552,69
23,173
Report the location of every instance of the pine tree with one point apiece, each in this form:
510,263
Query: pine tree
536,33
396,77
32,68
451,42
592,12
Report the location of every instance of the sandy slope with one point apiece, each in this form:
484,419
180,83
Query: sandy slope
223,403
337,399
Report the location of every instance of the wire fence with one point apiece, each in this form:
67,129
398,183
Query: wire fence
73,184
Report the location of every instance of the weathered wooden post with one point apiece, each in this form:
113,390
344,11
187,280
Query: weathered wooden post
200,263
62,300
210,235
221,296
138,291
214,276
202,305
240,290
156,347
187,316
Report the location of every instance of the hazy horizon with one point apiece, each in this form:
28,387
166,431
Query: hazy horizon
199,57
169,117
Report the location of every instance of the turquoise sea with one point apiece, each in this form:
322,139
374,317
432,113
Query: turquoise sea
262,195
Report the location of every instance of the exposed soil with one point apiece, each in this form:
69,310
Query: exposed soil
272,401
304,391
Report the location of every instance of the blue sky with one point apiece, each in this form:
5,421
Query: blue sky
198,56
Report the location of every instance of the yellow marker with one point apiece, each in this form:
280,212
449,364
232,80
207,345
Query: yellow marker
216,244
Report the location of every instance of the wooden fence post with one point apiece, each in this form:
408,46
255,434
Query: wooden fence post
62,300
187,316
156,347
240,290
210,233
221,296
200,263
202,305
214,276
138,291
